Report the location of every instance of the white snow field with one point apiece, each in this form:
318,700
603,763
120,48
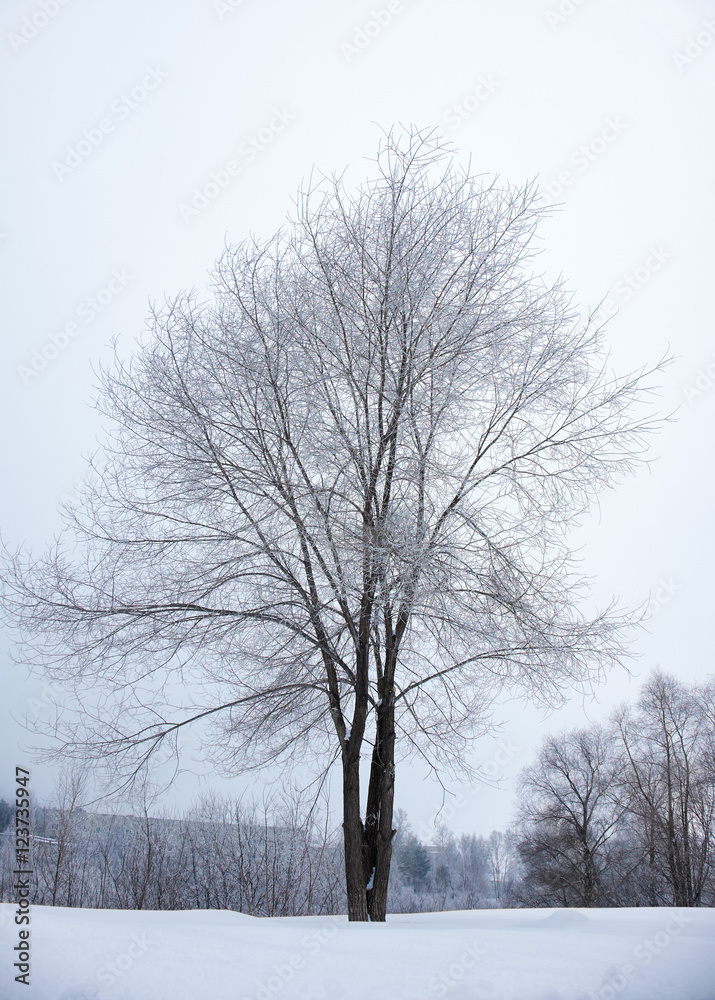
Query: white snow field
465,955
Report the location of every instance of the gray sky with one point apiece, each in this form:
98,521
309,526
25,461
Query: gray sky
138,137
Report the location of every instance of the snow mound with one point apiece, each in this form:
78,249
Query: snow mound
571,919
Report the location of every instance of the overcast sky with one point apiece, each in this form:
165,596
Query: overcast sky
140,136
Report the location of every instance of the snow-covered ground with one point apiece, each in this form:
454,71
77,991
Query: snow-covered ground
468,955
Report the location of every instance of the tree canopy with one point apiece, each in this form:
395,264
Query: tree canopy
336,495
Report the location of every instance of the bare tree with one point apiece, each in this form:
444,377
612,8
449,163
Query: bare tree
58,862
331,508
502,848
474,868
570,812
668,745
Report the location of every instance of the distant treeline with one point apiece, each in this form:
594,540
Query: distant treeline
621,814
273,860
279,858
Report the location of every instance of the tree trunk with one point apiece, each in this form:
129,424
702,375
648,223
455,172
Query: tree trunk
353,839
589,877
378,820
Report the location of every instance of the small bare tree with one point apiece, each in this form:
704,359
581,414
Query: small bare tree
503,858
58,862
331,510
571,809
